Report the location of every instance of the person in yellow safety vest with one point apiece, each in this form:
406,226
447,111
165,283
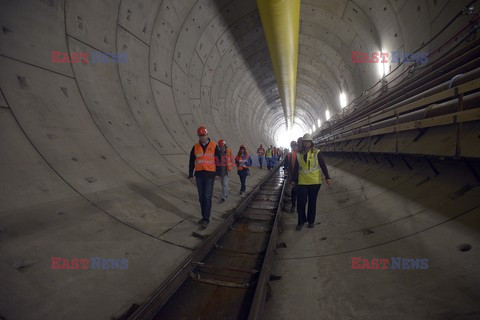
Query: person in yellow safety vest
308,178
288,169
202,160
243,162
260,154
224,165
268,157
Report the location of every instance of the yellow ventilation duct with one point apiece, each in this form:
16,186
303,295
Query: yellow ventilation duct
281,24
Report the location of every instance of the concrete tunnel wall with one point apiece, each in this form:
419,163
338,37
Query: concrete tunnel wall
94,156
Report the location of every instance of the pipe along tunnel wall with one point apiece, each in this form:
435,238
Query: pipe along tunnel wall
94,155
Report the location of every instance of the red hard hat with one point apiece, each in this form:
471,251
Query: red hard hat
202,131
221,143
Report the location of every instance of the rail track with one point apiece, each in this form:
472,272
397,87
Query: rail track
226,277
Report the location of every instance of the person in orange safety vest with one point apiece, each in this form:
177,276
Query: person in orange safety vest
261,155
203,160
243,162
224,165
288,169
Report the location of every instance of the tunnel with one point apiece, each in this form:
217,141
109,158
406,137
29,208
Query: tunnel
100,101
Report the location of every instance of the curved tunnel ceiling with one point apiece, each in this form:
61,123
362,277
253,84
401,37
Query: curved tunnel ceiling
206,62
104,133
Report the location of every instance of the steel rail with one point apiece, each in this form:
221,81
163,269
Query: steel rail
258,303
165,291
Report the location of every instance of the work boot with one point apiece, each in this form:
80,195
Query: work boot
292,209
299,227
204,223
311,225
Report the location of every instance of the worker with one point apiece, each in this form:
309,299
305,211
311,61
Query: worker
275,156
268,157
308,179
224,166
299,145
260,155
280,154
202,159
243,162
288,169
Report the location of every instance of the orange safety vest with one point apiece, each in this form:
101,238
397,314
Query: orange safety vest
205,161
242,161
292,157
229,159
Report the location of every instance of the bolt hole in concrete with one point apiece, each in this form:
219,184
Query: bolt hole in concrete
323,238
464,247
282,245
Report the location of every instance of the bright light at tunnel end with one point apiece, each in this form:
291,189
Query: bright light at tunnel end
285,136
343,99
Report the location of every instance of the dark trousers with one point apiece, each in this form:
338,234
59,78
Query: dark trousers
205,192
243,177
260,160
293,194
307,193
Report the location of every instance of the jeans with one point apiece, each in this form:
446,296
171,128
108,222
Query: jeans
307,193
205,192
243,177
274,161
224,181
260,161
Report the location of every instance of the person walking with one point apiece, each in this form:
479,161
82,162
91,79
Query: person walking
275,156
288,169
224,166
299,145
268,157
202,160
243,162
308,178
260,155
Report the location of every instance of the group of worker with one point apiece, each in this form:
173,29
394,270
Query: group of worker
209,161
302,168
272,156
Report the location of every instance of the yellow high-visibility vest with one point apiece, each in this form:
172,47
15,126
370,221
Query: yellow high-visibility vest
269,153
309,171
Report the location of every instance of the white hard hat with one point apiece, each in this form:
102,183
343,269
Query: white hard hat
307,137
